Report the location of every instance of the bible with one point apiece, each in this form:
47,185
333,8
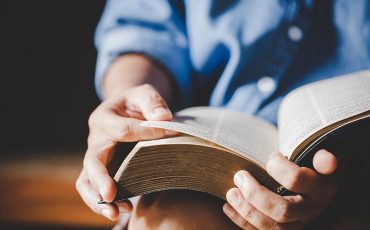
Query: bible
214,143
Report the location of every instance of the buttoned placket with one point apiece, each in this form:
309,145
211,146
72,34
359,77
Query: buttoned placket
291,34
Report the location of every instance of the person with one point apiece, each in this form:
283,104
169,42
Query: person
158,56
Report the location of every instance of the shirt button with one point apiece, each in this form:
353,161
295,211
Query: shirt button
181,41
266,84
295,33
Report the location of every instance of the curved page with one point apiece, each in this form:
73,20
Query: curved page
319,106
249,136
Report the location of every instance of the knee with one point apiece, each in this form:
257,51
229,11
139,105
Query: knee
179,209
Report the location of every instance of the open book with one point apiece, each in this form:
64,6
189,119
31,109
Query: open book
215,143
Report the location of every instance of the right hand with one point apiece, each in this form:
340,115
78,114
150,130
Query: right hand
117,119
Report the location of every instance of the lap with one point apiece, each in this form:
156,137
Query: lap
179,209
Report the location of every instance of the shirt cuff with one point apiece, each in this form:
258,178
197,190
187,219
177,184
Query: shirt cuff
169,51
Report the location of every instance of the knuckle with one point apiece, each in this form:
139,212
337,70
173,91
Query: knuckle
292,180
282,212
95,117
253,190
125,129
245,225
91,121
78,184
154,99
153,95
249,213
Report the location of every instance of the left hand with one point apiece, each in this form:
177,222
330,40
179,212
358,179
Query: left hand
251,205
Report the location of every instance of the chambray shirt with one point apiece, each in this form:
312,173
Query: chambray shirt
245,55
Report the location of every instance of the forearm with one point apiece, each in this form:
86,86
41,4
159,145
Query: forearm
132,70
118,120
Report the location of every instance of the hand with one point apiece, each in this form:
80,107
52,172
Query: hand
117,119
252,205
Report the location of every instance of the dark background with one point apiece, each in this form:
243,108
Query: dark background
47,64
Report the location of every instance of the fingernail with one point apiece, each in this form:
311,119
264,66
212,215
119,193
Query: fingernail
160,110
102,192
232,197
241,180
123,207
106,213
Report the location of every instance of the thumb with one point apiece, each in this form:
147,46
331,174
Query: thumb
325,162
150,103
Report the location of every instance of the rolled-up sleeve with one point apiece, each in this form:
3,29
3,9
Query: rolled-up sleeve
153,28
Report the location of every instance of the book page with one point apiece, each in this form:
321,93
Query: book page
246,135
183,140
315,106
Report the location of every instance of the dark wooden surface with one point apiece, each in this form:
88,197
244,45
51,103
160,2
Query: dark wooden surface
37,191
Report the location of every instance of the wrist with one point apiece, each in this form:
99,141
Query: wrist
131,70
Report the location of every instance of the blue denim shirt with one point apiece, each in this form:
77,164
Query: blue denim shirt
241,54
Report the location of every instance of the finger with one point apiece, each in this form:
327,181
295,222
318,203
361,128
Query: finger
269,203
325,162
132,114
123,129
236,217
147,100
123,222
98,175
294,178
122,124
91,197
124,206
253,216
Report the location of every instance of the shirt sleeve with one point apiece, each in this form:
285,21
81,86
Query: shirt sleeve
154,28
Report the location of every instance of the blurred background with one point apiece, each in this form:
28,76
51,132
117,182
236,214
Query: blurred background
47,61
47,64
